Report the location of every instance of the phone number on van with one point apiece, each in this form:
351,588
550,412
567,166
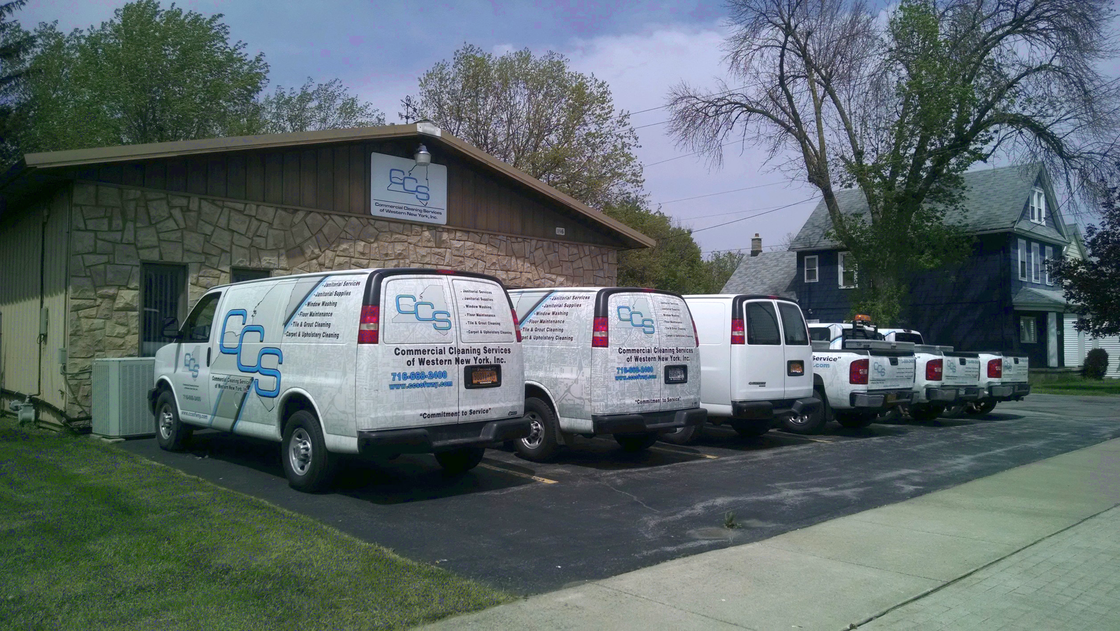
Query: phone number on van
419,375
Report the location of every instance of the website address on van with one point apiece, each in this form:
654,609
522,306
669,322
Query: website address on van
421,384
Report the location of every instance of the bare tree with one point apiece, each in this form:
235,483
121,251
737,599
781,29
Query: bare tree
900,104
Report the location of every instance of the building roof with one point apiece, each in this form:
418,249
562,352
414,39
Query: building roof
769,273
994,202
29,171
1036,298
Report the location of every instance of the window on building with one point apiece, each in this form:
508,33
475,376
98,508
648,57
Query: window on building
1028,332
1047,257
163,301
811,269
1035,263
762,324
242,274
1038,206
1022,259
846,270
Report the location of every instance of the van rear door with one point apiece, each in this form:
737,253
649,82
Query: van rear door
763,374
798,352
490,370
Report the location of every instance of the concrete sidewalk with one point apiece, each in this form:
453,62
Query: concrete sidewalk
1032,547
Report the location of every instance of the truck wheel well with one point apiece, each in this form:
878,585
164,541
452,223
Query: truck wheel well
538,392
817,381
293,404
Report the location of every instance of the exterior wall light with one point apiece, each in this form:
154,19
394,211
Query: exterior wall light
422,157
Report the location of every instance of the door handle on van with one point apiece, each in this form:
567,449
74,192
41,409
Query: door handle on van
207,357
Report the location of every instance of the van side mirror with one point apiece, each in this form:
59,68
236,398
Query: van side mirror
171,328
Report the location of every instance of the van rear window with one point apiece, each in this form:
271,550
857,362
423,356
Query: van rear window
793,325
762,324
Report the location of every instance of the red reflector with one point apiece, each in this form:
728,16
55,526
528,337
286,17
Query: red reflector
446,271
368,326
694,333
516,325
934,368
857,372
738,333
599,338
995,368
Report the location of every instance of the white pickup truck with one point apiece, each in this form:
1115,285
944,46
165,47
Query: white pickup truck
1002,378
857,374
942,378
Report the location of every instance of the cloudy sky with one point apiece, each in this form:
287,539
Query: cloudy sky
640,49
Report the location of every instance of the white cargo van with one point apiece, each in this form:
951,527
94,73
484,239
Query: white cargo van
756,365
618,360
378,362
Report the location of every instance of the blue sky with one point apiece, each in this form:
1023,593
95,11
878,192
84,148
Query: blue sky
641,49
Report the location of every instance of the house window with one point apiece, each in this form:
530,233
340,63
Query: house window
163,302
811,269
241,274
846,271
1038,206
1034,263
1028,333
1049,256
1022,259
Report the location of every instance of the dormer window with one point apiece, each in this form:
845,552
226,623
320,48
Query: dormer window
1038,206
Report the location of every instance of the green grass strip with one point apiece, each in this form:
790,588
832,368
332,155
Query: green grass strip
93,537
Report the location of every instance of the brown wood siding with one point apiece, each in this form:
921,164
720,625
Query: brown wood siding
337,178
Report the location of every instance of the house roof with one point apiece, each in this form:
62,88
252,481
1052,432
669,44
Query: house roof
26,173
769,273
1038,298
994,202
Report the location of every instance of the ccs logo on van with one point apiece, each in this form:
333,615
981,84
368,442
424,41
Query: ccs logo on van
424,311
261,354
191,364
636,319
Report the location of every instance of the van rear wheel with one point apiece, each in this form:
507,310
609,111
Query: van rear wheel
635,442
686,435
542,442
308,465
458,461
809,423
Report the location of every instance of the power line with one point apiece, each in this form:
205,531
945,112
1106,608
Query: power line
650,125
661,107
734,212
686,155
772,210
736,190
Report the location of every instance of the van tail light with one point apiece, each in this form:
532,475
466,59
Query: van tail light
599,337
516,325
738,332
857,372
367,328
995,368
695,334
933,370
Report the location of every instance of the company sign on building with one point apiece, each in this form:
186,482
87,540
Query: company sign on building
405,191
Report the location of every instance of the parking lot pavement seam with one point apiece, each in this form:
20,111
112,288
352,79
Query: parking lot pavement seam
528,476
665,604
972,572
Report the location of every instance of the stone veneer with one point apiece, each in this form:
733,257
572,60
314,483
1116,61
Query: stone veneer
114,229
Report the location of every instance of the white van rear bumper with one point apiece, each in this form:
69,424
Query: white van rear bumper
646,422
420,440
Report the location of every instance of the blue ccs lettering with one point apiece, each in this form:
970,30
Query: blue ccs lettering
636,319
401,182
424,311
191,365
256,368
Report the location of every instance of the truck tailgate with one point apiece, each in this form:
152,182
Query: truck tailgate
961,370
891,372
1015,369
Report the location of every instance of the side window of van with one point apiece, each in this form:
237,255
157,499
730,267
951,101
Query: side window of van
762,324
525,302
793,325
201,320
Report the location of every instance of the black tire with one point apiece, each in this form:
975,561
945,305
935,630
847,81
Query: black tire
980,408
955,411
925,412
543,440
687,435
750,429
634,443
308,465
854,420
810,423
171,433
459,461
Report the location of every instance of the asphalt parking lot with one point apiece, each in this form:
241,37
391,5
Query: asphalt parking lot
597,512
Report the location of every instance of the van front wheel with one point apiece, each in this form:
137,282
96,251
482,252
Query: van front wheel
307,464
541,443
635,442
171,433
459,461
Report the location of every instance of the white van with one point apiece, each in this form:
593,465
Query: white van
756,365
378,362
618,360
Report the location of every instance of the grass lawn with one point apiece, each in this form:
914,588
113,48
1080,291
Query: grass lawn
91,536
1074,384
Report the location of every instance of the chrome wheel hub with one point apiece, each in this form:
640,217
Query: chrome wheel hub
299,451
166,422
536,431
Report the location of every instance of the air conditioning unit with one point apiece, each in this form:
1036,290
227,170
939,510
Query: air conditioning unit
120,396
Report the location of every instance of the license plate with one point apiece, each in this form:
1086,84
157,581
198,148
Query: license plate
676,374
482,376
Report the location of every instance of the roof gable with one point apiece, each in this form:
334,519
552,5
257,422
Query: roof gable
995,201
768,273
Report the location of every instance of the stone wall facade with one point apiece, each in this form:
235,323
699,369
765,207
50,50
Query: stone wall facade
115,229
